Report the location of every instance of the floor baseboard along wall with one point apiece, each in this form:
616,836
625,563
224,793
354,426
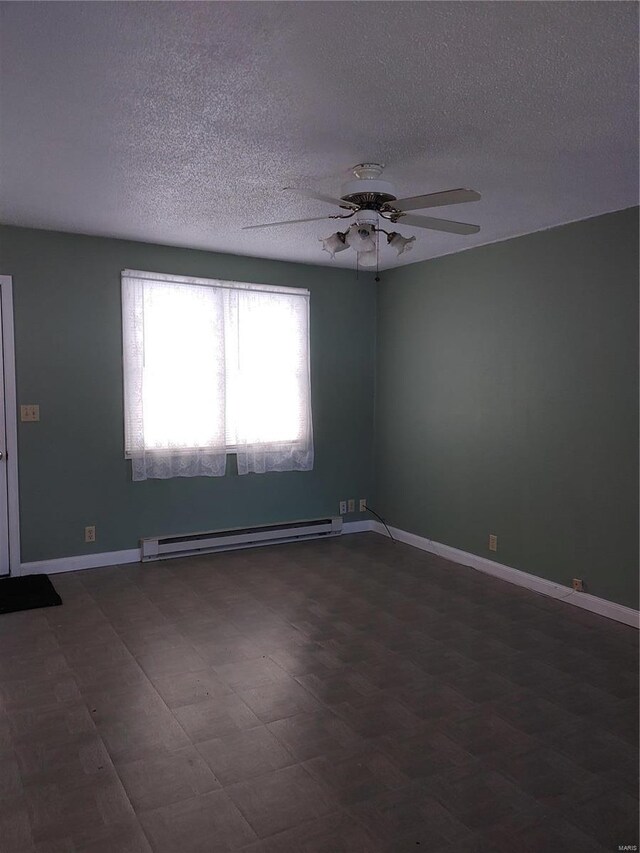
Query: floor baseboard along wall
601,606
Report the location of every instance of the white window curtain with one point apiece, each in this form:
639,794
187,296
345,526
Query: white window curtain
212,367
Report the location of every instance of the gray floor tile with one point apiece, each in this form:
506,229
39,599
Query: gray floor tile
187,688
240,756
76,808
409,704
334,833
409,818
246,675
281,799
216,717
354,775
166,778
280,699
80,755
308,735
15,824
203,824
135,738
480,798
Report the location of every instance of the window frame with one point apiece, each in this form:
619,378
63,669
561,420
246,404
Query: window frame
144,275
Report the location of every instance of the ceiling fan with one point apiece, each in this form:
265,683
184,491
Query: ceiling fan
368,200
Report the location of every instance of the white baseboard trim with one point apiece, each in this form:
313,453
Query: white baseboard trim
357,526
82,561
601,606
118,558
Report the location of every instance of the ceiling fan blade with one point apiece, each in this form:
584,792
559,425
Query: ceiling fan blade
438,224
320,197
420,202
287,222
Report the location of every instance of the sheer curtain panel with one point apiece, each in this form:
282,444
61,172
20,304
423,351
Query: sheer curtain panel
212,367
268,383
174,380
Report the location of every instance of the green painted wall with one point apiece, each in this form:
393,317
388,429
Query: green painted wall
69,360
507,402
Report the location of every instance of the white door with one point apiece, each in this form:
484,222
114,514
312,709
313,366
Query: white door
4,480
9,526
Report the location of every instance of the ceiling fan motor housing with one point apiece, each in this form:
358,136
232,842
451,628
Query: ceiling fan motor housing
367,190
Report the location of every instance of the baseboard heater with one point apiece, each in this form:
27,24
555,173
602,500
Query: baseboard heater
184,545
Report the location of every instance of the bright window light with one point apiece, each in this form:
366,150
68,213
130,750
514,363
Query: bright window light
215,367
183,367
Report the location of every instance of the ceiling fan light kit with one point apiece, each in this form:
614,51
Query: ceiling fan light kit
334,243
368,259
370,200
400,244
361,236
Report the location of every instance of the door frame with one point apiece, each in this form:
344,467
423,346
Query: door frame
11,423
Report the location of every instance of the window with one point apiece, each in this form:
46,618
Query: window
212,367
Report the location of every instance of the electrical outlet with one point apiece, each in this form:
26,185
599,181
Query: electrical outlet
578,584
493,542
29,413
363,504
90,533
352,505
343,507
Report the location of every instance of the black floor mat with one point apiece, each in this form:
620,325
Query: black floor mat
27,593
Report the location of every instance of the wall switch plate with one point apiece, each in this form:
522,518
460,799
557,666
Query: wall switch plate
352,504
90,533
578,584
29,413
343,507
493,542
363,504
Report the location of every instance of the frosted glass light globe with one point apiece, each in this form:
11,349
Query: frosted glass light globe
361,237
400,244
334,243
367,259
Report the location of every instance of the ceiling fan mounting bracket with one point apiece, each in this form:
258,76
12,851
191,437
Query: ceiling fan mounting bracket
368,171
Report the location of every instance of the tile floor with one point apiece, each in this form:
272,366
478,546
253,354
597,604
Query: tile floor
329,696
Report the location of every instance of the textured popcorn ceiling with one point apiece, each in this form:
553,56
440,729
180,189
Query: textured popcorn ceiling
180,122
